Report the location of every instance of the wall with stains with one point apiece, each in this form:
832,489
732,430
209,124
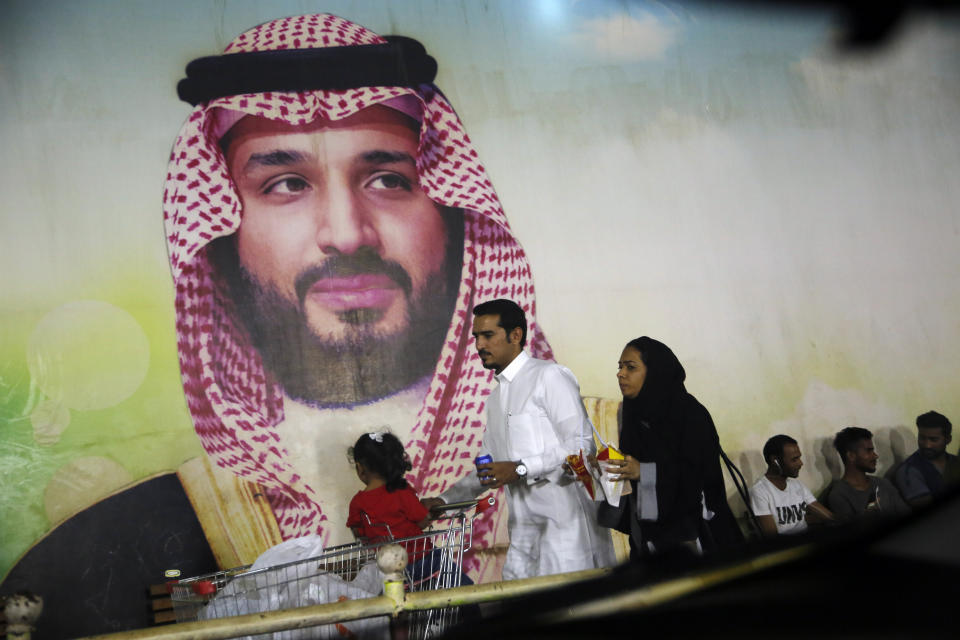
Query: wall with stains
782,214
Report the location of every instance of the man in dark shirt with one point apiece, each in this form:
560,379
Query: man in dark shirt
930,470
857,493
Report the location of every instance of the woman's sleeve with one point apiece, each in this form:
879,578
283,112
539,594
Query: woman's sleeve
698,448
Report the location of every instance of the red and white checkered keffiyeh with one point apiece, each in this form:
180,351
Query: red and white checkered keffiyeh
235,405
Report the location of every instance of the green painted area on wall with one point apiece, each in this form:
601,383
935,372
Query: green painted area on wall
55,459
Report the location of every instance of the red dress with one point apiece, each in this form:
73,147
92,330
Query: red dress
400,510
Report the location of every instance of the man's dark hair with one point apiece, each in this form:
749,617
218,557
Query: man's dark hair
774,447
847,438
511,316
934,420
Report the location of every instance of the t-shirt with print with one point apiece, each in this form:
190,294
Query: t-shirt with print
788,507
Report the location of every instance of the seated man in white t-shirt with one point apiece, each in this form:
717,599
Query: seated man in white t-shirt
781,503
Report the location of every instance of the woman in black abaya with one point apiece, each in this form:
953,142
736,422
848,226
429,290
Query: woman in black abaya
672,459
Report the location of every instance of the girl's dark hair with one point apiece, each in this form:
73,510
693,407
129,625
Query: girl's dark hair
382,453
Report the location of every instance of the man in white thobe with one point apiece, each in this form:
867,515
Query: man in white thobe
535,419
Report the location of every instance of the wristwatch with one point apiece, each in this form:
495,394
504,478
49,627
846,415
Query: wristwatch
521,470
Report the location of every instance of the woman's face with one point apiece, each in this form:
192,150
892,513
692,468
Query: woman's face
631,372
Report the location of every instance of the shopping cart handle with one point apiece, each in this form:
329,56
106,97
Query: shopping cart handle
459,507
204,587
485,504
453,506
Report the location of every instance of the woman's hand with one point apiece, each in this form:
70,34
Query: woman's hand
592,461
626,469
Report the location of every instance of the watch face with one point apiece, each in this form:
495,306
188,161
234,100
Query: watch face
521,470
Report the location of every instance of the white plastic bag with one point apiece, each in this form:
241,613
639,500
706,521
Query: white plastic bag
286,577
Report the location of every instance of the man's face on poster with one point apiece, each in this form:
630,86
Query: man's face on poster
337,236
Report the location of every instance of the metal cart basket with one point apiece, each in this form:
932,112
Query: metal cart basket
346,572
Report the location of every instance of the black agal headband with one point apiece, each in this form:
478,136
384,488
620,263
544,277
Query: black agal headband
401,62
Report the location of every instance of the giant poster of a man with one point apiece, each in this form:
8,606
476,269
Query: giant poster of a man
328,238
327,246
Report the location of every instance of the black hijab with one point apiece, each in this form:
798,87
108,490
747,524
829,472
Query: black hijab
666,425
662,392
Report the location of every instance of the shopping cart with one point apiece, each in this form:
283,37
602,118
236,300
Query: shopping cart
345,572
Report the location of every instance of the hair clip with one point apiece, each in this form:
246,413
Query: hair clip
376,436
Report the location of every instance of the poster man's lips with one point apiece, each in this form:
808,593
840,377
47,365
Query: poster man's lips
360,291
358,282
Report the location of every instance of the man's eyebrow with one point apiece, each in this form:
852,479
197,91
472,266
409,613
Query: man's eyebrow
275,158
381,156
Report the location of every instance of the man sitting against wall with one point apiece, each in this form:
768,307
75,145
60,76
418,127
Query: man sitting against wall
857,493
781,503
930,471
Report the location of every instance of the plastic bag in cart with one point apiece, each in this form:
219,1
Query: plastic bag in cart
292,550
297,582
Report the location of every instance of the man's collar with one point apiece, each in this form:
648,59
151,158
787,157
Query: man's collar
511,370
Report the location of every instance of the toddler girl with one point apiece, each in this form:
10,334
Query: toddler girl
387,500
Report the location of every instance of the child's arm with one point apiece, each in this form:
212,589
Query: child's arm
414,511
355,519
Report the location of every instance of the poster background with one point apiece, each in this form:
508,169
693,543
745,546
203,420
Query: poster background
784,217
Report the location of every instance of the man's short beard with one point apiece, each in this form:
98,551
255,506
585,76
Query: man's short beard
930,454
866,467
364,364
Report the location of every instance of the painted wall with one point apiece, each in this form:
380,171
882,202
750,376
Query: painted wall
784,217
